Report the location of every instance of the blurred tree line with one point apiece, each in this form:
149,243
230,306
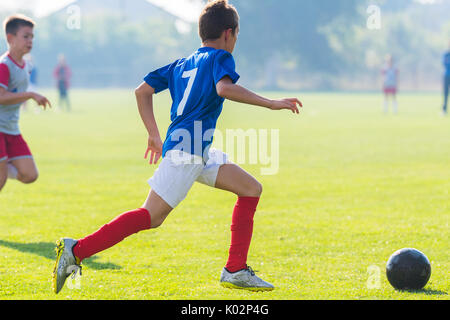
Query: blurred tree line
289,44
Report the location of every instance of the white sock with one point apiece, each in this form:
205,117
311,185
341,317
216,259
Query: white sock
386,105
395,105
12,172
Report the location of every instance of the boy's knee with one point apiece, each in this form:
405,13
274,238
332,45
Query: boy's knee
255,190
2,182
29,177
3,175
258,188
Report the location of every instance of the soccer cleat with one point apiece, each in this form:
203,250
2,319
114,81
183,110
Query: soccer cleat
244,279
66,263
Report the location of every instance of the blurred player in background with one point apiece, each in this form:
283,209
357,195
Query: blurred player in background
390,84
62,74
32,85
16,160
446,62
33,75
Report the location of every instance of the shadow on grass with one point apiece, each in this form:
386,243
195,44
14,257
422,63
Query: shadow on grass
47,250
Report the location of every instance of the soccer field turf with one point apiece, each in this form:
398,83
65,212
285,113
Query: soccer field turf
354,185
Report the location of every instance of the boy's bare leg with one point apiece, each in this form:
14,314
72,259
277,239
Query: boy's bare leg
233,178
158,209
3,173
27,170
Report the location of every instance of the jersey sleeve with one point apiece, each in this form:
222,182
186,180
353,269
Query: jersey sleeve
4,76
224,65
159,79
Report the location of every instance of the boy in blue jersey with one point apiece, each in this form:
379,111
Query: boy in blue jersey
198,85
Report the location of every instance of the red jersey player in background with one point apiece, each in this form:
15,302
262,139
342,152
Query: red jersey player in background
62,74
390,84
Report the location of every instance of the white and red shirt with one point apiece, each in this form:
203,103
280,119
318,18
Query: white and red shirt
14,78
62,74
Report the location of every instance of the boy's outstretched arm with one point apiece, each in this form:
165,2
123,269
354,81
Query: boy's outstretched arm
10,98
228,90
144,97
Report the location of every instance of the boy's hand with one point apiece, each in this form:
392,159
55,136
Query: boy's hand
155,148
41,100
286,103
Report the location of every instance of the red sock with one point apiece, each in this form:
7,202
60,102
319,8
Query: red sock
112,233
241,232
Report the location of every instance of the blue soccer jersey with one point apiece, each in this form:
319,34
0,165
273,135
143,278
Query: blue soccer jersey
196,105
446,62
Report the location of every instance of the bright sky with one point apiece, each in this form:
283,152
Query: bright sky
187,10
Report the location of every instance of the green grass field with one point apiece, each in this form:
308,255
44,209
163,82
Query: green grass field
354,186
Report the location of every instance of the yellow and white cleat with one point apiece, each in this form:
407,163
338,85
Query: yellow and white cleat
66,263
244,279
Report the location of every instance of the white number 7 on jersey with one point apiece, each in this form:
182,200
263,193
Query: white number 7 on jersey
191,75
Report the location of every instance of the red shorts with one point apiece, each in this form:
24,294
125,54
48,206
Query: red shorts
391,90
13,147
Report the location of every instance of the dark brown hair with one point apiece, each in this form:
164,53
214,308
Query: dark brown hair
216,17
13,23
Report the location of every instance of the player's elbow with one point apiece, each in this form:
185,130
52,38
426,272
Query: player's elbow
138,92
144,90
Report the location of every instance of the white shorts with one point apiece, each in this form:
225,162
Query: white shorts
179,170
